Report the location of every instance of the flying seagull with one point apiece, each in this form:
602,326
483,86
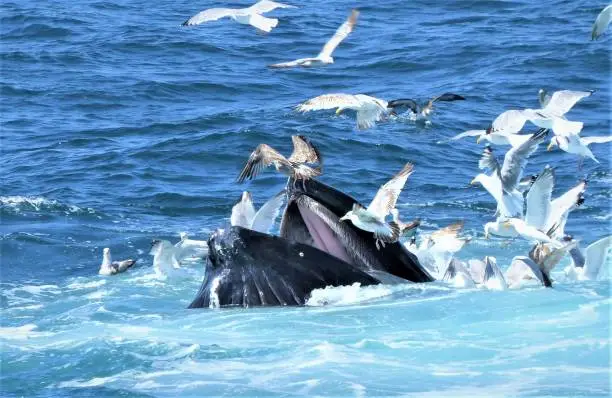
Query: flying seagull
110,267
369,109
262,220
296,166
573,143
422,111
246,16
586,264
325,56
602,22
372,218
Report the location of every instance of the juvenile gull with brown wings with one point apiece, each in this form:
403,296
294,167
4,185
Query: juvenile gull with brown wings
296,166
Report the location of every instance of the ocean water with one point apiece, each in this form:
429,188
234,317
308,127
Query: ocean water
119,126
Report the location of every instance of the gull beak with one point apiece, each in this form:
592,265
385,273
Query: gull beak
550,146
479,139
506,224
473,182
344,217
339,111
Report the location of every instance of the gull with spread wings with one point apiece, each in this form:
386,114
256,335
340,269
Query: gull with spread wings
372,218
325,56
422,111
246,16
262,220
297,166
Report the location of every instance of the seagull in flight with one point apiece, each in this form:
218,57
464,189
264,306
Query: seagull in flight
372,218
602,22
246,16
295,166
262,220
325,56
422,111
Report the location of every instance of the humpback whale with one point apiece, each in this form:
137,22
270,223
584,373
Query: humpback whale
314,250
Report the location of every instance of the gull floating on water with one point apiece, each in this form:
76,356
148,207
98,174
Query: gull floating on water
458,275
110,267
296,166
244,214
325,56
493,276
246,16
372,218
602,22
586,264
425,110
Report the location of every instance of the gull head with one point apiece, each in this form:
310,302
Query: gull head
106,251
347,216
183,235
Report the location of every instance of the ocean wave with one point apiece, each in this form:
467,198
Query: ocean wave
39,204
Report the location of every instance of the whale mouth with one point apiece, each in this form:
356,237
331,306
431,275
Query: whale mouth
323,237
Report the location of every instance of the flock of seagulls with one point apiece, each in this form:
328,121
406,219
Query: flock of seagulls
525,207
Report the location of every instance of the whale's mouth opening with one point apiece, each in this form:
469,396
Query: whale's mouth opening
322,235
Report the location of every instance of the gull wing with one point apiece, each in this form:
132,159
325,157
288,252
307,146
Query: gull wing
602,22
263,156
538,199
562,101
304,151
447,97
262,23
469,133
491,273
595,255
522,267
509,122
243,212
342,32
595,140
212,14
516,160
267,214
562,206
263,6
407,102
330,101
488,160
387,195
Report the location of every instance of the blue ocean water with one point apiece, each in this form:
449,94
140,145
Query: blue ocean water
119,126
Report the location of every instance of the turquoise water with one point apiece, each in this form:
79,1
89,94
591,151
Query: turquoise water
119,126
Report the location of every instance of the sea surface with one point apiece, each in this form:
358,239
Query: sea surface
119,126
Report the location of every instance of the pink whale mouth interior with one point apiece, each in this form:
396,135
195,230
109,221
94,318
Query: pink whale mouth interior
324,238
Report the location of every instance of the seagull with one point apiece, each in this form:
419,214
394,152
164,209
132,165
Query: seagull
507,123
189,247
552,114
587,264
437,249
493,277
325,56
296,166
245,216
164,256
109,267
405,228
246,16
425,110
562,206
457,274
504,181
372,218
369,109
522,268
573,143
602,22
530,232
547,257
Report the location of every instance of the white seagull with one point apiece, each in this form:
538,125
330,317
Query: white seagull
245,216
602,22
522,268
369,109
190,247
552,114
246,16
573,143
587,264
493,277
325,56
458,275
372,218
109,267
